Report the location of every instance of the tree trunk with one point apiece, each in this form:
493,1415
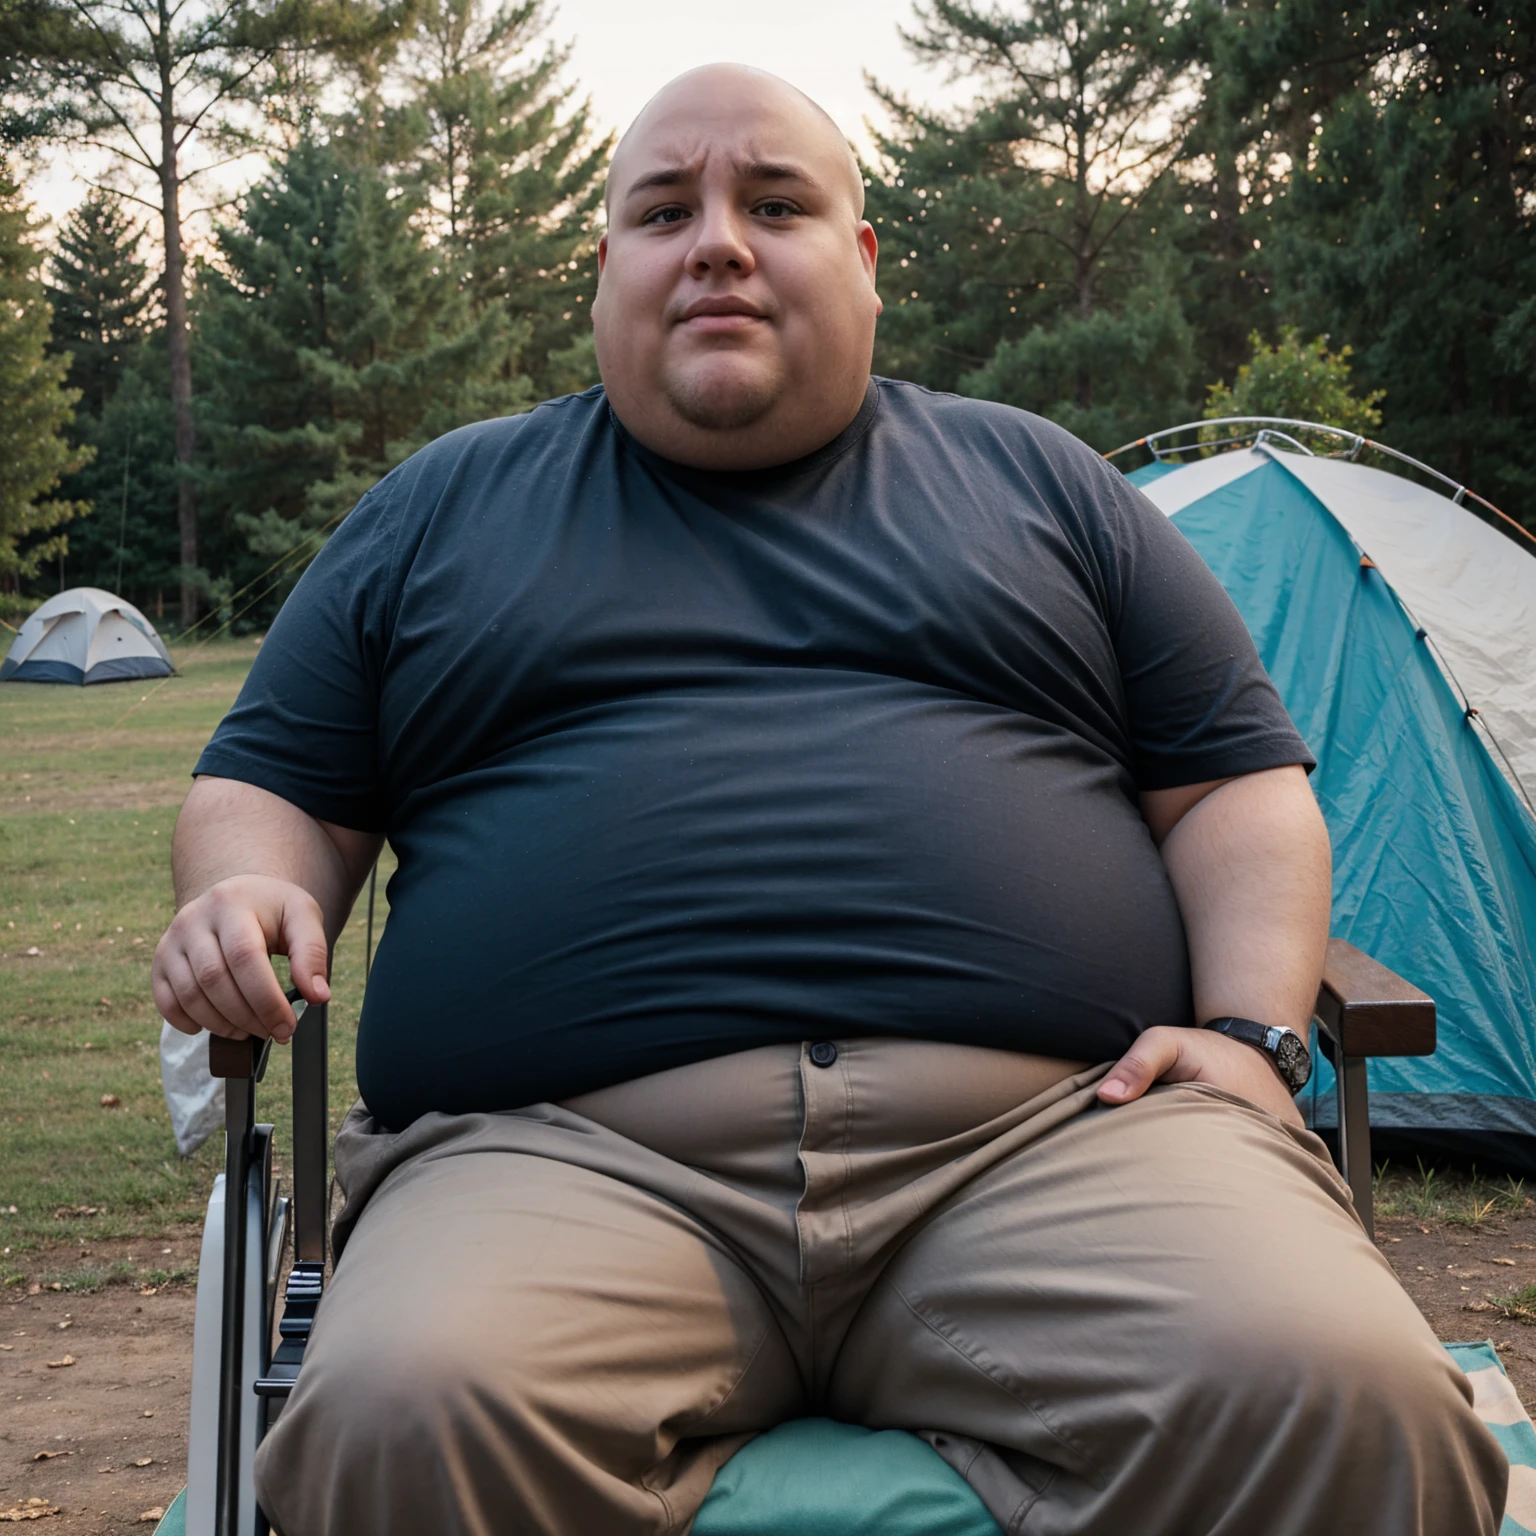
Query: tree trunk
178,340
1082,236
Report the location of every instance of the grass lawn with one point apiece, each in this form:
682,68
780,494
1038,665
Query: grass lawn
90,783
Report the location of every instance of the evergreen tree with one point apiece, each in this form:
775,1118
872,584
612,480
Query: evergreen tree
1022,236
130,544
510,167
35,407
335,342
169,90
99,295
1399,148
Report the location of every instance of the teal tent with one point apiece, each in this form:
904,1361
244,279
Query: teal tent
1400,630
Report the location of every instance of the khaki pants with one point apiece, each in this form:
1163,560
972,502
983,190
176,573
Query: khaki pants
1161,1319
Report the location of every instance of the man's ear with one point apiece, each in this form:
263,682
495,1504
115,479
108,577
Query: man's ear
602,254
869,254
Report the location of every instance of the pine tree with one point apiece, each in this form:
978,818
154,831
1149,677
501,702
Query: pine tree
35,406
100,295
169,90
335,341
510,166
1391,152
1021,236
130,544
1409,231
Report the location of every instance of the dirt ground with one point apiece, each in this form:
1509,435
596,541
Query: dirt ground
103,1439
114,1422
1455,1273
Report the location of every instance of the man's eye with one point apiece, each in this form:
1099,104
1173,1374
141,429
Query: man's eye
776,208
666,216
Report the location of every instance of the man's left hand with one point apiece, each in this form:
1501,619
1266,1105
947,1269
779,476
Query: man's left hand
1170,1055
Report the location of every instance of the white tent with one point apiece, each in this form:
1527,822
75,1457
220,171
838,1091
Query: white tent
85,635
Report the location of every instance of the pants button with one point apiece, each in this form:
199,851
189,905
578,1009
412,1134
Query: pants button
823,1053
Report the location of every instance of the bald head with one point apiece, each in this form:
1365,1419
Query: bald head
716,87
736,305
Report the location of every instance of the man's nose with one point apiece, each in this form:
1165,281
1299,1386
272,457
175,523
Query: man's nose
721,245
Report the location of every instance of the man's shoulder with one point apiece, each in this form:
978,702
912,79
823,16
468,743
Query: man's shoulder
1006,443
497,444
983,419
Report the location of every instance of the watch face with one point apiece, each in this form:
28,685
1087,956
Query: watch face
1294,1061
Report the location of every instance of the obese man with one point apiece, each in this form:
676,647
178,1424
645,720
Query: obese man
826,810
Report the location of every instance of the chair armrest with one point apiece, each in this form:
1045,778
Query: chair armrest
238,1058
1368,1010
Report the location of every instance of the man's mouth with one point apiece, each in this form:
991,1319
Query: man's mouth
721,316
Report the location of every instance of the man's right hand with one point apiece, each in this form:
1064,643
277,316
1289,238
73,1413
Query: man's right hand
212,968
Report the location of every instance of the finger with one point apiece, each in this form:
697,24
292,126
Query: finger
1141,1066
191,1003
165,997
309,956
243,951
210,968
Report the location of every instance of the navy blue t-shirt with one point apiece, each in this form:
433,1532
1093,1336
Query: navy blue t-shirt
677,762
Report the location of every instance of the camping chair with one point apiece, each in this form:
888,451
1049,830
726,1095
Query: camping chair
809,1478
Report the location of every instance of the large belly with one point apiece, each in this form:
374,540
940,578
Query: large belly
671,878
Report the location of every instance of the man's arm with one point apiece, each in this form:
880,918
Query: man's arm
1249,862
255,876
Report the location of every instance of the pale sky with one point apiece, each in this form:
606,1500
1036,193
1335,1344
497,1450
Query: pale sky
625,50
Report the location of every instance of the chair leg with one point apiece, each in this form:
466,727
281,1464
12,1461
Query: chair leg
1355,1135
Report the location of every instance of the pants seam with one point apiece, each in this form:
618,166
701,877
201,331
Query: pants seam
976,1365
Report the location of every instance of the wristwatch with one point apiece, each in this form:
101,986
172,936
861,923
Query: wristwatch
1284,1047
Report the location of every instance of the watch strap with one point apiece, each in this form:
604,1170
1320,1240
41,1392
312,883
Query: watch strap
1286,1050
1250,1031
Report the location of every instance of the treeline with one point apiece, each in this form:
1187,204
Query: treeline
1142,214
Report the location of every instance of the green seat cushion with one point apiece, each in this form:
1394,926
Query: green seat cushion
814,1477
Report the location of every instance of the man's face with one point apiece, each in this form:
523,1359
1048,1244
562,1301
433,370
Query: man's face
736,307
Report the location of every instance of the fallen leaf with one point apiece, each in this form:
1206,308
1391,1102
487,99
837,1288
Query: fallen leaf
7,1346
148,1290
145,1461
105,1002
1527,1246
1510,1262
106,1469
54,1365
33,1509
149,1413
152,1514
49,1455
1420,1225
34,1289
1479,1306
34,950
110,1101
67,1323
76,1210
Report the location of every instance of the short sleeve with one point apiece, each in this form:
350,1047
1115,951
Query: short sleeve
1199,703
305,725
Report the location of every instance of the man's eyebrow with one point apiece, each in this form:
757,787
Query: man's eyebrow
667,176
774,170
751,170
